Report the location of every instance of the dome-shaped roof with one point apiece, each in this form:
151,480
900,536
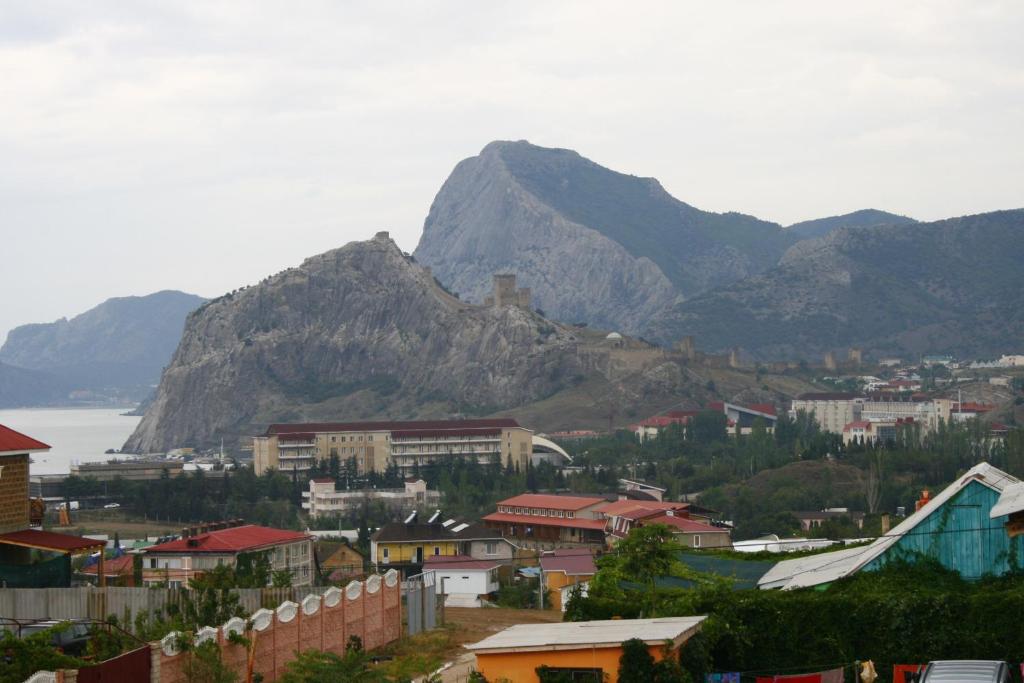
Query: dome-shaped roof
614,335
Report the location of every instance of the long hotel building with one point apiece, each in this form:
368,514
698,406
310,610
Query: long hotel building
375,445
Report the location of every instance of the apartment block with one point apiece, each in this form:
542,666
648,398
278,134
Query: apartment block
408,444
324,500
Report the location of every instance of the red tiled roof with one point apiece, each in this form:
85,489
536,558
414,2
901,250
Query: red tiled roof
449,431
16,442
860,424
550,502
579,563
391,426
689,525
662,421
115,567
767,408
234,540
48,540
828,396
457,562
619,506
536,520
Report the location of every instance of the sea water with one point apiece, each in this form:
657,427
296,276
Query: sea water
74,434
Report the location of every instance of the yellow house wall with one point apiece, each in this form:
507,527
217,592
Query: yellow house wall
264,453
406,552
555,581
516,444
520,667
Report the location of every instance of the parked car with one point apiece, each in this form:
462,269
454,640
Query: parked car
72,638
965,671
111,506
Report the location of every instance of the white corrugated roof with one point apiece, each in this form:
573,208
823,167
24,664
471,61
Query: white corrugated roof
1010,501
786,571
572,635
841,564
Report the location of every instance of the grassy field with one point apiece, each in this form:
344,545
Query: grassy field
110,522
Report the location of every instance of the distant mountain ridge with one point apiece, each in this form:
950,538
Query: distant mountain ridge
951,286
20,388
118,347
594,245
820,227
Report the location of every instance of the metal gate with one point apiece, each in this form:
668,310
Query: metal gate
132,666
420,603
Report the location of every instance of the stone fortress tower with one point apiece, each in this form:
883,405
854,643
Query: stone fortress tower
506,294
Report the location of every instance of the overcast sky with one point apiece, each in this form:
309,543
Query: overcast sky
204,145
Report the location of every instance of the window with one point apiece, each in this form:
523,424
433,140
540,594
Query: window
437,550
491,548
696,540
570,514
385,556
370,437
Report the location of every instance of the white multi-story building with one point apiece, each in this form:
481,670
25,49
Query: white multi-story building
322,499
832,411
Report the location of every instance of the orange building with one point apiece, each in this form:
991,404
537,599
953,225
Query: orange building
576,647
562,570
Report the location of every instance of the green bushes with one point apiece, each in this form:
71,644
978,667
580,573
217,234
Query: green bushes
901,614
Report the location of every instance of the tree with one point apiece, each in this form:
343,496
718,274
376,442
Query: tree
22,657
636,665
281,578
313,666
708,426
252,570
206,666
647,553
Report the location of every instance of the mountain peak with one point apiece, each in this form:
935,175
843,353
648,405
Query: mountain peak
595,245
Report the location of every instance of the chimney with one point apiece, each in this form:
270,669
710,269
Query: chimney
184,532
885,523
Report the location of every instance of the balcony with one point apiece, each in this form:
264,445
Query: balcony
296,444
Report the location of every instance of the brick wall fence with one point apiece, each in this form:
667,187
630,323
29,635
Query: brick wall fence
371,610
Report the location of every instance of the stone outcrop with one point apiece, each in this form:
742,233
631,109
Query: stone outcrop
358,332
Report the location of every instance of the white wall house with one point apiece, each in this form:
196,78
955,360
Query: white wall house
463,575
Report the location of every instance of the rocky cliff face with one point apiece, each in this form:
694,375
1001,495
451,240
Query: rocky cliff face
951,286
122,344
594,245
358,332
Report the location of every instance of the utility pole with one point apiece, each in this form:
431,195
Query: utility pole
444,595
